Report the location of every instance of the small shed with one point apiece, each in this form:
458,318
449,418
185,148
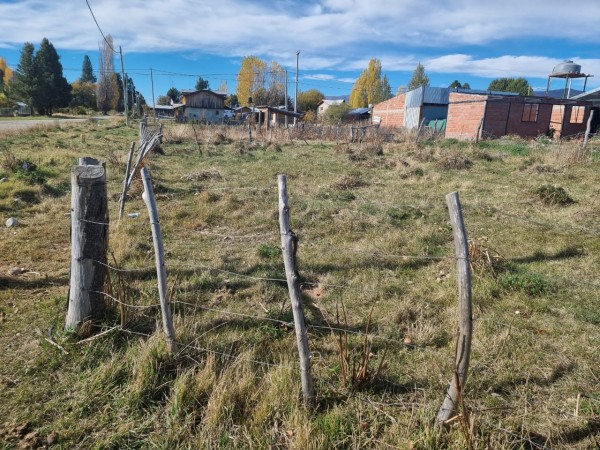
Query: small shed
359,115
272,116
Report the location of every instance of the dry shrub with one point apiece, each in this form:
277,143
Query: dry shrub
202,175
243,147
176,134
543,168
274,147
553,195
10,162
454,161
342,148
349,181
483,260
372,149
220,138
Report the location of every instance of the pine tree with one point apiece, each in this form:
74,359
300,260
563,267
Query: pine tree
24,75
52,89
370,88
419,78
174,94
87,72
202,84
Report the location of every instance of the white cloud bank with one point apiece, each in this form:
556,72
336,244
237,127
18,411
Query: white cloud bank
333,34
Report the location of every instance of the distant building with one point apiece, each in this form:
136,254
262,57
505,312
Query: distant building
201,106
325,104
473,115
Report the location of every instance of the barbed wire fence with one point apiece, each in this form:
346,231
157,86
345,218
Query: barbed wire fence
197,268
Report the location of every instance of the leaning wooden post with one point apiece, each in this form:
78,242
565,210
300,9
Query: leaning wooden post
125,184
289,243
588,129
161,271
89,242
465,325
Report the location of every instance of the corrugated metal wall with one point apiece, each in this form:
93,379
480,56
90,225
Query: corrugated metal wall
414,98
436,95
411,117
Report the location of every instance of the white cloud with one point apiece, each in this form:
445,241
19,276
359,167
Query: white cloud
504,66
333,28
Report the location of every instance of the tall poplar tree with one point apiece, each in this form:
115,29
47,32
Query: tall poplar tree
251,77
370,88
107,88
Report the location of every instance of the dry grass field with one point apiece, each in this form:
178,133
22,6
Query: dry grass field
374,241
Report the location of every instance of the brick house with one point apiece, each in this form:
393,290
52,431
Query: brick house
494,115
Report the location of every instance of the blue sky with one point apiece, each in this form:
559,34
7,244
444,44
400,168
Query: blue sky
473,41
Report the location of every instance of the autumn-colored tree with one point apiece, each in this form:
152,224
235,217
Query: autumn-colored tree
107,95
83,94
251,77
309,100
6,74
370,88
107,88
419,78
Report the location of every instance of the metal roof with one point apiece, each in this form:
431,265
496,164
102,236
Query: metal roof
359,111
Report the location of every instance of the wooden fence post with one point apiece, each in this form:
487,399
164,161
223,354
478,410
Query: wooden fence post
89,242
588,129
289,243
125,185
465,324
161,271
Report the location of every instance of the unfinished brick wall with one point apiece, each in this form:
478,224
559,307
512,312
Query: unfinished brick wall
391,111
569,129
465,112
516,125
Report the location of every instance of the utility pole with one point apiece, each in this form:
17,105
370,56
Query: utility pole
286,98
296,96
125,96
153,102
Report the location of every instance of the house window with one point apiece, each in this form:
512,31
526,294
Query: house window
530,112
577,113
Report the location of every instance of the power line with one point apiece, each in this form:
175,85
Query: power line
99,29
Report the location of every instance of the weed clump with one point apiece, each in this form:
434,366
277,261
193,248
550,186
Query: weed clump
553,195
349,181
454,162
531,284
